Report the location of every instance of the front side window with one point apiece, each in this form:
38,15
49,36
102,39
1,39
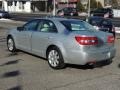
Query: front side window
31,26
74,25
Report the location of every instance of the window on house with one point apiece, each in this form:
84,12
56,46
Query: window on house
9,3
15,3
22,3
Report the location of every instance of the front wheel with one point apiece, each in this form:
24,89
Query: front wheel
11,44
55,59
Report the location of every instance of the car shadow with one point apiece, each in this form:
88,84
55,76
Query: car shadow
12,54
2,40
34,55
23,52
11,74
118,65
87,66
16,88
11,62
103,63
83,67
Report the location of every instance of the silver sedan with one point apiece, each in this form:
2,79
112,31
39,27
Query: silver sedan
62,41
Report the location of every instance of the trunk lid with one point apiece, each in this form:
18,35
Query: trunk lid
102,39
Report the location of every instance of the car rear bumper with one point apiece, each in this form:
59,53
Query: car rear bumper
82,58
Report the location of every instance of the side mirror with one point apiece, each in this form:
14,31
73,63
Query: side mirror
20,28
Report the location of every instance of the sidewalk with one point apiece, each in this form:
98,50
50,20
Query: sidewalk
31,14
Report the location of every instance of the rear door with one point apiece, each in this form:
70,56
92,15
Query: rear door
43,37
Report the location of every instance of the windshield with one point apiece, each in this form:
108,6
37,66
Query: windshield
75,25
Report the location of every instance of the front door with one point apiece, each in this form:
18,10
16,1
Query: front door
24,36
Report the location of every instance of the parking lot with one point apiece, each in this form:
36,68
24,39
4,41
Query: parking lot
23,71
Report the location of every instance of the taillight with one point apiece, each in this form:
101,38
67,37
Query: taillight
84,40
110,39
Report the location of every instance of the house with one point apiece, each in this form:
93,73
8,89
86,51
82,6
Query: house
25,5
66,3
37,5
85,2
102,2
0,4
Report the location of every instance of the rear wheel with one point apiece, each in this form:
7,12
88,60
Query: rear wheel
11,44
55,59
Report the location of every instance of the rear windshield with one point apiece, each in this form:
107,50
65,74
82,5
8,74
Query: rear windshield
74,25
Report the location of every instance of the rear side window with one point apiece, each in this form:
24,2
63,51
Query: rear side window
74,25
46,26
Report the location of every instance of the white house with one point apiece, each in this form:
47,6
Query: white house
25,5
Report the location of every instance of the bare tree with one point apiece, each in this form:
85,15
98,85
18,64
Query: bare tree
114,3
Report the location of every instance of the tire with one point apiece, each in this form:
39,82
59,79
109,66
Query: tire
11,44
55,58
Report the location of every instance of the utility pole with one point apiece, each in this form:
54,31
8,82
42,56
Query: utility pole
88,8
54,8
67,3
2,5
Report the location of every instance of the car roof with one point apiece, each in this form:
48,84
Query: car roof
64,19
59,18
